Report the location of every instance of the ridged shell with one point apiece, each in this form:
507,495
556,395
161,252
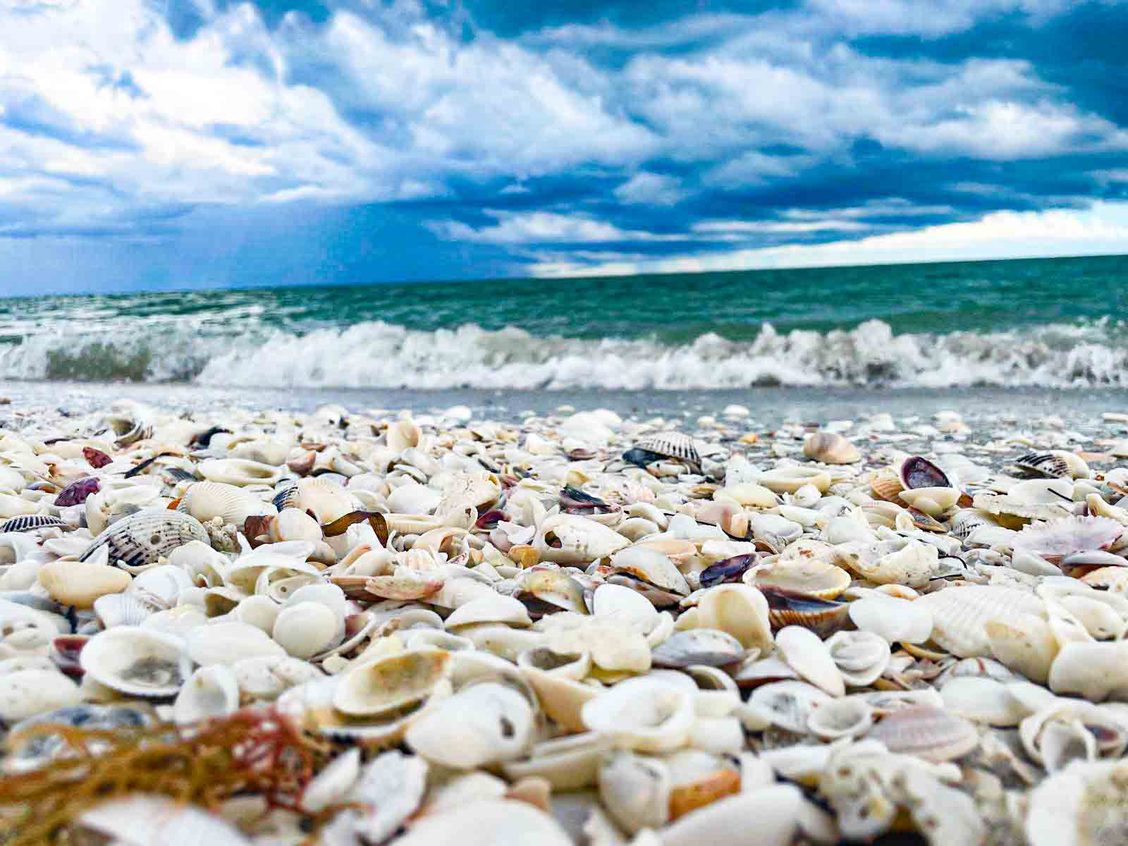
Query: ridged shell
144,537
929,733
675,445
816,579
1045,465
232,504
30,523
960,615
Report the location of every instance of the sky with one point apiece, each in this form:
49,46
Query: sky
205,143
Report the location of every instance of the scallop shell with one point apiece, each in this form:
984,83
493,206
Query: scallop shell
926,732
208,500
31,523
143,538
137,662
960,615
675,445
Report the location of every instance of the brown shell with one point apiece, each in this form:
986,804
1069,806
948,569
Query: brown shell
887,486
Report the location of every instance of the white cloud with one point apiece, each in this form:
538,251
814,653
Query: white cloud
518,228
652,189
1103,229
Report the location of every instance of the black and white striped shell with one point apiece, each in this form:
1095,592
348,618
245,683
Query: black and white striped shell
142,538
30,523
1043,465
128,429
675,445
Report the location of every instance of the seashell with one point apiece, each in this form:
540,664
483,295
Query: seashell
1095,670
489,608
895,620
906,562
572,539
266,677
1068,535
209,692
727,570
403,434
143,538
982,700
239,472
1054,464
229,641
807,654
810,577
389,788
624,606
928,733
122,609
886,485
571,762
210,500
392,684
413,498
137,662
819,615
305,629
1086,803
1023,642
918,472
326,501
544,590
144,818
739,610
479,823
27,692
709,647
80,584
644,714
1036,499
830,448
960,615
1065,729
646,568
967,520
480,725
673,445
850,716
776,810
30,523
860,656
635,790
76,492
934,502
787,704
790,479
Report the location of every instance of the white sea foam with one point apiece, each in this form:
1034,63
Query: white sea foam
381,355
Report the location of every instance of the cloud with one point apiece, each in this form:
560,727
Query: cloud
523,136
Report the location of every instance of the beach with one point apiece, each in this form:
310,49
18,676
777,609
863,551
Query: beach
574,617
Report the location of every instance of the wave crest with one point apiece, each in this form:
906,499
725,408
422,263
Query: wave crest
382,355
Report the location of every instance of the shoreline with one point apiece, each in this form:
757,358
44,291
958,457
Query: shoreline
441,622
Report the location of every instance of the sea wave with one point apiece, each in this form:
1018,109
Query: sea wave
382,355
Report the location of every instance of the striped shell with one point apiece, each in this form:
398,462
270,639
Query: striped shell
676,445
1042,465
30,523
960,615
142,538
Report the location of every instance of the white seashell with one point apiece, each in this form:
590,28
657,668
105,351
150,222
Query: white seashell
895,620
490,608
122,609
960,615
141,819
709,647
489,822
807,654
136,661
229,641
738,609
791,479
413,498
1095,670
390,787
850,716
635,790
861,656
623,605
392,683
571,539
934,502
267,677
259,611
1086,803
645,714
209,692
776,811
787,704
929,733
480,725
142,538
238,471
830,448
570,762
27,692
1024,643
210,500
308,628
983,700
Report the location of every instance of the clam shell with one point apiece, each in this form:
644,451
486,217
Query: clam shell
916,471
305,629
208,500
1096,670
391,684
807,576
709,647
229,641
861,656
635,790
850,716
81,584
27,692
137,662
787,704
895,620
478,824
738,609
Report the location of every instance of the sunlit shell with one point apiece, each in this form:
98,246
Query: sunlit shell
231,504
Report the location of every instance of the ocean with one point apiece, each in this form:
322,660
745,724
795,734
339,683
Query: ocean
926,333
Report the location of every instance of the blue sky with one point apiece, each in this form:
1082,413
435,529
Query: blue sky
208,143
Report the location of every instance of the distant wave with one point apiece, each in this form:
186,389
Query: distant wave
382,355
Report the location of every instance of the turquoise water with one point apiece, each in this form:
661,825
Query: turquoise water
1046,322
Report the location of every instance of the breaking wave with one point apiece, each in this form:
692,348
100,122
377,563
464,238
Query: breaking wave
383,355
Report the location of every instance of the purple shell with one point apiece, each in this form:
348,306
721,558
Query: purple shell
919,472
76,492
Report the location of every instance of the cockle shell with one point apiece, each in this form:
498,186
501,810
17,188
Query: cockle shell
960,615
1058,538
137,662
142,538
928,733
231,504
812,577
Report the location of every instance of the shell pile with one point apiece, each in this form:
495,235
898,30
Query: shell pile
582,628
